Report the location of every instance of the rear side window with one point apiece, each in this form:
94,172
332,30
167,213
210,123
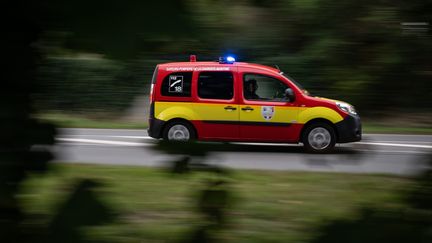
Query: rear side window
216,85
177,84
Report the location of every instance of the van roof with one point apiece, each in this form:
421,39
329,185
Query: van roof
217,64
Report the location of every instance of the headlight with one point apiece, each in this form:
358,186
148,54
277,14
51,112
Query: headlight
346,107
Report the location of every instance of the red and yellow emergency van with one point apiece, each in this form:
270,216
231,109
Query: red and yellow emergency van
236,101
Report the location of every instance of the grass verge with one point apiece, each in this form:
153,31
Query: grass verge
381,128
155,206
74,121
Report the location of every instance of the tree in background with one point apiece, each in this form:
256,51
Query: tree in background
361,52
20,135
24,141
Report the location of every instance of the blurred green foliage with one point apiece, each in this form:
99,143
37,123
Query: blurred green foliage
25,142
412,223
366,53
86,83
266,206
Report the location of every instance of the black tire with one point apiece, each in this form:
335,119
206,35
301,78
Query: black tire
188,127
316,131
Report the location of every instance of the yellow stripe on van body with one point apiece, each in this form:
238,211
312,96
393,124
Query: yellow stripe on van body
166,111
282,114
307,114
211,111
289,114
216,112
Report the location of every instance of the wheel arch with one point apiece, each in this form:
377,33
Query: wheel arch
167,112
318,120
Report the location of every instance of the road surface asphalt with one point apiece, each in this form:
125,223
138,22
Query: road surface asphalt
376,153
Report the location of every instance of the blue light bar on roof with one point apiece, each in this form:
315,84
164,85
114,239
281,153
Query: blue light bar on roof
230,59
227,60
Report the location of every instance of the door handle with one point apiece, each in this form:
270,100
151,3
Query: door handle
231,108
247,108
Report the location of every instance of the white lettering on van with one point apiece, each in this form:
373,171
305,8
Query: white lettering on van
212,69
186,69
179,69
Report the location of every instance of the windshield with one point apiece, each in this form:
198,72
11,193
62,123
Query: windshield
296,83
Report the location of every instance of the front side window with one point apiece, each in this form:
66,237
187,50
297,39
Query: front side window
177,84
263,88
216,85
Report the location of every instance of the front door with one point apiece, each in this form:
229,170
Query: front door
265,113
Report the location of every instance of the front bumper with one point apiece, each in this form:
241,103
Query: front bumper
349,129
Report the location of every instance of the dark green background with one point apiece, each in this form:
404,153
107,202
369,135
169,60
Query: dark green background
99,55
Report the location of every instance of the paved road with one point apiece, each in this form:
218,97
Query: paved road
376,153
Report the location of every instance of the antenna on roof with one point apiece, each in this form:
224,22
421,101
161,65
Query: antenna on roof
277,67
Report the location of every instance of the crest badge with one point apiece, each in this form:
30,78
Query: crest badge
267,112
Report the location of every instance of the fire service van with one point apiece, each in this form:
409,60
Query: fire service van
236,101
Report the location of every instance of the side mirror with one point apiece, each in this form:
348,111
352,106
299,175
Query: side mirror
289,93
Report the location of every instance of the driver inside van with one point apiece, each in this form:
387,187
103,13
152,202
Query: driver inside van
250,88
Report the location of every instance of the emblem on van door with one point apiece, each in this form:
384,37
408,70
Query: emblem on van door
175,84
267,112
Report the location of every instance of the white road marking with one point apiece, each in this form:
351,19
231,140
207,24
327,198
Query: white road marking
122,143
399,142
85,144
396,145
148,137
112,136
133,137
107,142
396,134
394,151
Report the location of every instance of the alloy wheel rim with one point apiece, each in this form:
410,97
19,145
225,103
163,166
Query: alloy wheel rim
178,133
319,138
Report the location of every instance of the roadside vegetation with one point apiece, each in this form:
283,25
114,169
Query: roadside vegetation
152,205
80,121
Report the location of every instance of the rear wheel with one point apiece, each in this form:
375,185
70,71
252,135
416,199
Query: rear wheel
179,131
319,137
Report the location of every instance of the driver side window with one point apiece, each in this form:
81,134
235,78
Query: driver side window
263,88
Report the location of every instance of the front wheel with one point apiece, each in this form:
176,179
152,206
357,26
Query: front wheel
319,138
179,131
